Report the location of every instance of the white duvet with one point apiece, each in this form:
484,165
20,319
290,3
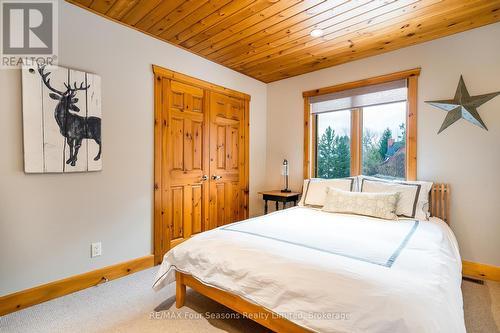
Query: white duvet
333,272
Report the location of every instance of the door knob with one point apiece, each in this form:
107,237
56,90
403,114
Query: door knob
215,177
204,178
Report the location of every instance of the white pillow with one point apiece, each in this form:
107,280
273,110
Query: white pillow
381,205
423,208
408,194
423,212
303,195
314,189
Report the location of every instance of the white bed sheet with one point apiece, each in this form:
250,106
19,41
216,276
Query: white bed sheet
333,272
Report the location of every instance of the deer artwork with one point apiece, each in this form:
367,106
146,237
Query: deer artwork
73,127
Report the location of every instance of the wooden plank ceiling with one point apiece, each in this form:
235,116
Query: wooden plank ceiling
270,39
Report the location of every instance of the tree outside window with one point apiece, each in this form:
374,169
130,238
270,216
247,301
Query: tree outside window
334,155
383,142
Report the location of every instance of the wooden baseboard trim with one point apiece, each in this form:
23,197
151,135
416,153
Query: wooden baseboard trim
481,271
29,297
26,298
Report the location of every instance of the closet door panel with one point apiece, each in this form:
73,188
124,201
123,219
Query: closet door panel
226,158
197,211
177,218
177,138
186,162
197,144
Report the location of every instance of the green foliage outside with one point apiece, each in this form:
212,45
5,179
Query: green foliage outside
383,143
334,155
379,158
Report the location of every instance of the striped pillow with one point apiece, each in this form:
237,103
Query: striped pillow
314,189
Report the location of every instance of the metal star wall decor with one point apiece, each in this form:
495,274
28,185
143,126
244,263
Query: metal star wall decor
462,106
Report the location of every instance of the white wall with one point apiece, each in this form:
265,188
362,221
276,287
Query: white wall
47,222
465,156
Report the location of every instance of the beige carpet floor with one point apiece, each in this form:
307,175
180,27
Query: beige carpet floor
130,305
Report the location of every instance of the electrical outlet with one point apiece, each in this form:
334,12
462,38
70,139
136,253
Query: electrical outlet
95,249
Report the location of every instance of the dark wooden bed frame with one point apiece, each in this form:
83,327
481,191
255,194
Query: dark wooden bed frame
439,202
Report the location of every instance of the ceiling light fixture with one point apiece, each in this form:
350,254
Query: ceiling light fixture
317,33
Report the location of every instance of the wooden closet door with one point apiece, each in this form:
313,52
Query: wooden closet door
185,162
227,154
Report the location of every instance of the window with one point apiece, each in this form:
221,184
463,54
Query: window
333,153
384,140
356,128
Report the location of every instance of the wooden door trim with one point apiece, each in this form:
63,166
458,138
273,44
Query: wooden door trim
160,245
246,126
157,70
157,245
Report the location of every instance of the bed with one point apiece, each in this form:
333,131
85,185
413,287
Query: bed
305,270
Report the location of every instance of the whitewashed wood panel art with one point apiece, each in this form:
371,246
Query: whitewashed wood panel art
61,120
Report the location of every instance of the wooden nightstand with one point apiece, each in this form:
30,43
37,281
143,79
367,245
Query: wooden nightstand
278,197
